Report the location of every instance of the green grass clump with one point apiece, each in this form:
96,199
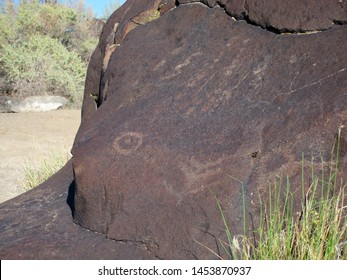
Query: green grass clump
39,170
318,231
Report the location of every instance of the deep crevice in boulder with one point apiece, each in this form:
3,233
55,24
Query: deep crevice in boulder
339,22
244,16
71,198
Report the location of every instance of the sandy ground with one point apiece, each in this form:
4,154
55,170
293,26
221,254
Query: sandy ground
27,137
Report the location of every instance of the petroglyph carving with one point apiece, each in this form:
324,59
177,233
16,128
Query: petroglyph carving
128,143
197,173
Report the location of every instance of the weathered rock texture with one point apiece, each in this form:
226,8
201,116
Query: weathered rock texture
284,16
192,99
179,102
38,225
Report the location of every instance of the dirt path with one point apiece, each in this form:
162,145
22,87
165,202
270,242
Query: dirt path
26,137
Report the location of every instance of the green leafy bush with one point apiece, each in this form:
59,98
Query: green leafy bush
42,65
45,48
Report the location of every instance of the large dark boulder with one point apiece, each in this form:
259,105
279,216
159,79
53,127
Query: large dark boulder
189,101
39,225
180,99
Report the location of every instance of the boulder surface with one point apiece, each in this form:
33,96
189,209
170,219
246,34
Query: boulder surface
38,225
183,101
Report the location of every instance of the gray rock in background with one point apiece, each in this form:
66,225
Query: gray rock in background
35,104
4,104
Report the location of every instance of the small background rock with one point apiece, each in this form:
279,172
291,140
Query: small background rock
35,104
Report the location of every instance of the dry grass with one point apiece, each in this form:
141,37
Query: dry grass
317,232
38,170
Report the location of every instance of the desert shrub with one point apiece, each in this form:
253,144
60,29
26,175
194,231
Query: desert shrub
43,65
87,47
45,47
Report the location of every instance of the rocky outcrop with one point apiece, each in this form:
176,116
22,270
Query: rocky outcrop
190,101
279,17
38,225
184,100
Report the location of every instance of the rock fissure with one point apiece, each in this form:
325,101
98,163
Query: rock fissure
339,22
244,16
154,12
148,246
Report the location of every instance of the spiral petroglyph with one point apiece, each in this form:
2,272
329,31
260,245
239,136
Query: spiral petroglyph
128,143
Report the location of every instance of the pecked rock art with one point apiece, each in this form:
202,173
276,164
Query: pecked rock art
128,143
193,108
184,102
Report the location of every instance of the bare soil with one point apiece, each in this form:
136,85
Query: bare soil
27,137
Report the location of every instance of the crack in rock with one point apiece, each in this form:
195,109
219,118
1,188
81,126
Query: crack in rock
244,16
154,13
149,246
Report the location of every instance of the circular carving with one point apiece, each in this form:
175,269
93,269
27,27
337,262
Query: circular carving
128,143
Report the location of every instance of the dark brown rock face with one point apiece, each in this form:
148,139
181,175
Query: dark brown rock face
284,16
38,225
189,101
181,97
